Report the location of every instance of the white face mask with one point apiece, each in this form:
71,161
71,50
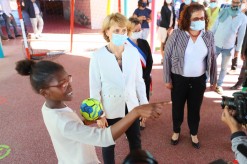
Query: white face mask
243,6
168,1
136,35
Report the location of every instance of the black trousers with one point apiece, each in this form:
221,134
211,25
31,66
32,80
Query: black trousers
133,135
242,75
147,82
190,90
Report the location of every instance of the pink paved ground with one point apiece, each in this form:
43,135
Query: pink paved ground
22,127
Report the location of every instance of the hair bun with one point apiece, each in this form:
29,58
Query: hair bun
24,67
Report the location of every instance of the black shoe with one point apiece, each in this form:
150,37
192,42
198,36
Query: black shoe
11,37
175,142
142,127
18,35
195,145
4,38
235,87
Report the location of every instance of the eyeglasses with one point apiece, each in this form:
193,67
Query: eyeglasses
197,19
63,86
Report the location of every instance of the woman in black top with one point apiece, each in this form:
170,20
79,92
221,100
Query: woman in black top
145,51
167,24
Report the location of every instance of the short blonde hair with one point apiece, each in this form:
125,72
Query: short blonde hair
115,19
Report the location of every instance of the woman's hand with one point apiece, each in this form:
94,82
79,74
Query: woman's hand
102,122
243,57
141,18
169,31
168,85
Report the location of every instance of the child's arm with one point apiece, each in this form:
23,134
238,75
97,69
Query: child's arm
148,110
86,122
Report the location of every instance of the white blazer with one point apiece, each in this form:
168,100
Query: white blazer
113,87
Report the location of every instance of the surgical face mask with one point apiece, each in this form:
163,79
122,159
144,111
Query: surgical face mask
144,4
187,2
197,25
118,39
168,1
136,35
213,4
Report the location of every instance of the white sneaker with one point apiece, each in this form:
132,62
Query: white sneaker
219,90
231,72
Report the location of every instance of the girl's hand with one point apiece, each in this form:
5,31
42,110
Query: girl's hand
102,122
152,110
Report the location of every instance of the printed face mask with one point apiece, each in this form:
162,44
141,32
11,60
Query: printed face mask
168,1
118,39
197,25
136,35
213,4
235,8
144,4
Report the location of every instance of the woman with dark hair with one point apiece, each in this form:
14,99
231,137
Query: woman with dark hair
167,24
190,55
144,15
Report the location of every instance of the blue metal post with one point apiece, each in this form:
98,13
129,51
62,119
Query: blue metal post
126,8
1,49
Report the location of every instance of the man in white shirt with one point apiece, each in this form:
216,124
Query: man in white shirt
32,7
8,18
231,21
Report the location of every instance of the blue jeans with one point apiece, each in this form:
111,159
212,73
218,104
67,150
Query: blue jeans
226,56
9,21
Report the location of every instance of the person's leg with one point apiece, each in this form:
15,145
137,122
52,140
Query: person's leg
162,32
108,152
241,77
40,24
179,96
234,63
162,47
145,33
7,24
1,34
226,56
13,22
34,23
195,97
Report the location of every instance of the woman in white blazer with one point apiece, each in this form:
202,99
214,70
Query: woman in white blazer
115,76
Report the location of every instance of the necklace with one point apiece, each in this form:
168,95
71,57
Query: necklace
194,35
117,58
